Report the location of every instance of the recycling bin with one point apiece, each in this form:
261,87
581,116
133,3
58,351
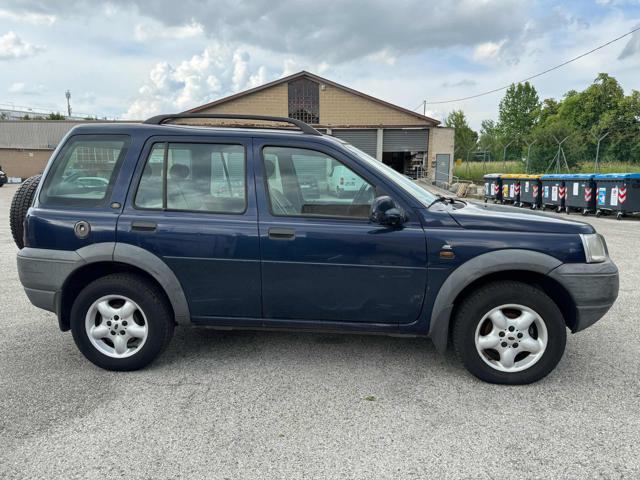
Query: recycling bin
510,188
530,191
493,187
580,193
618,193
553,191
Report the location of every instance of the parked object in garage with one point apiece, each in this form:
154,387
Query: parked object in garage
3,177
618,193
510,188
580,193
530,191
553,191
156,225
493,187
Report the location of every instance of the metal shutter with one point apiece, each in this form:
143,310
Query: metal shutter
365,140
405,140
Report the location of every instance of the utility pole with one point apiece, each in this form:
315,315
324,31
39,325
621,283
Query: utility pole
67,94
596,167
424,107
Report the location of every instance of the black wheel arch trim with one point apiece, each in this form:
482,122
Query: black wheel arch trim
474,269
44,271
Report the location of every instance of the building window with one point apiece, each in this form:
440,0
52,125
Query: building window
304,101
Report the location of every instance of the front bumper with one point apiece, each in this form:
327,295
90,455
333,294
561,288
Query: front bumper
592,286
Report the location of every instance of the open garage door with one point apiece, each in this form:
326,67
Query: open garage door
405,140
364,139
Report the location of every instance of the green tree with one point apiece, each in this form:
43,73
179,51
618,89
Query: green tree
491,139
547,135
465,138
55,116
518,112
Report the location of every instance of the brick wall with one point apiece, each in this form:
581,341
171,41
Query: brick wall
270,101
341,108
337,108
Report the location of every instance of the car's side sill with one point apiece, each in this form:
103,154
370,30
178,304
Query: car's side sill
235,323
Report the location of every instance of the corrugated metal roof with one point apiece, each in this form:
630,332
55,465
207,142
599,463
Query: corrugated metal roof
33,134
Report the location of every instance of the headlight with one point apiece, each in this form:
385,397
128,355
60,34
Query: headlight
595,248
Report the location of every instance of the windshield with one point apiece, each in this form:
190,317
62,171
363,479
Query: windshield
408,185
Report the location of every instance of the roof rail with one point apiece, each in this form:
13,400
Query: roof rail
160,119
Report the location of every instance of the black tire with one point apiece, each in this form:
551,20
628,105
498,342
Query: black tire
480,302
150,300
22,200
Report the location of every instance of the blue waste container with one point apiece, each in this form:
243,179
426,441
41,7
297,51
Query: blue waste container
580,193
618,193
493,187
553,191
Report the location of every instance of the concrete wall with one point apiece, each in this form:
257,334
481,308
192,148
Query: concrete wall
441,140
23,163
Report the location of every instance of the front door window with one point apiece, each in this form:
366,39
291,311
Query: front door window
303,182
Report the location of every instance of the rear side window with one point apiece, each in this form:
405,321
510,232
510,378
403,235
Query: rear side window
85,171
194,177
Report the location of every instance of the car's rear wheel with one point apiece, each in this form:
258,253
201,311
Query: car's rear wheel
22,200
509,332
121,322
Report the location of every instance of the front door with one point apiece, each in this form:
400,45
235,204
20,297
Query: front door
192,205
322,259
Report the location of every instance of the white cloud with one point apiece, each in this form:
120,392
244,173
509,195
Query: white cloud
22,88
33,18
488,50
216,72
12,47
154,31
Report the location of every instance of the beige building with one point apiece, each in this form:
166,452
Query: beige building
411,143
26,145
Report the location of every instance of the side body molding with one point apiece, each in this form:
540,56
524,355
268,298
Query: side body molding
154,266
477,267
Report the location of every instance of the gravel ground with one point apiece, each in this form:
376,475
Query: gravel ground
274,405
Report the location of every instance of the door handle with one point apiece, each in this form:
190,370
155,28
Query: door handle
282,234
143,226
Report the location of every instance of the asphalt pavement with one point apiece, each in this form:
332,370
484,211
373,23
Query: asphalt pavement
262,405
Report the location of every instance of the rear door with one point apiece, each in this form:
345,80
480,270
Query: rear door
192,205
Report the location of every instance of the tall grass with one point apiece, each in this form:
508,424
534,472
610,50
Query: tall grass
474,171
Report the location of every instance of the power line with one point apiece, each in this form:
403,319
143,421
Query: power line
536,75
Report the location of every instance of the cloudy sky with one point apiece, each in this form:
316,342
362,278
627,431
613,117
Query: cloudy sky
133,59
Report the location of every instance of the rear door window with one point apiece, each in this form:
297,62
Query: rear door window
84,172
198,177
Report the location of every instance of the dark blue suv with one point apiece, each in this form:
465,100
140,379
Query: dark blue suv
136,228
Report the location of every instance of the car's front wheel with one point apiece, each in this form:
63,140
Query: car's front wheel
121,322
509,332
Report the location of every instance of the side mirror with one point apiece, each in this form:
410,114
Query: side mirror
385,212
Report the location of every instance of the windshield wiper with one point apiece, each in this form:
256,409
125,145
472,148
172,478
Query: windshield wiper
445,200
